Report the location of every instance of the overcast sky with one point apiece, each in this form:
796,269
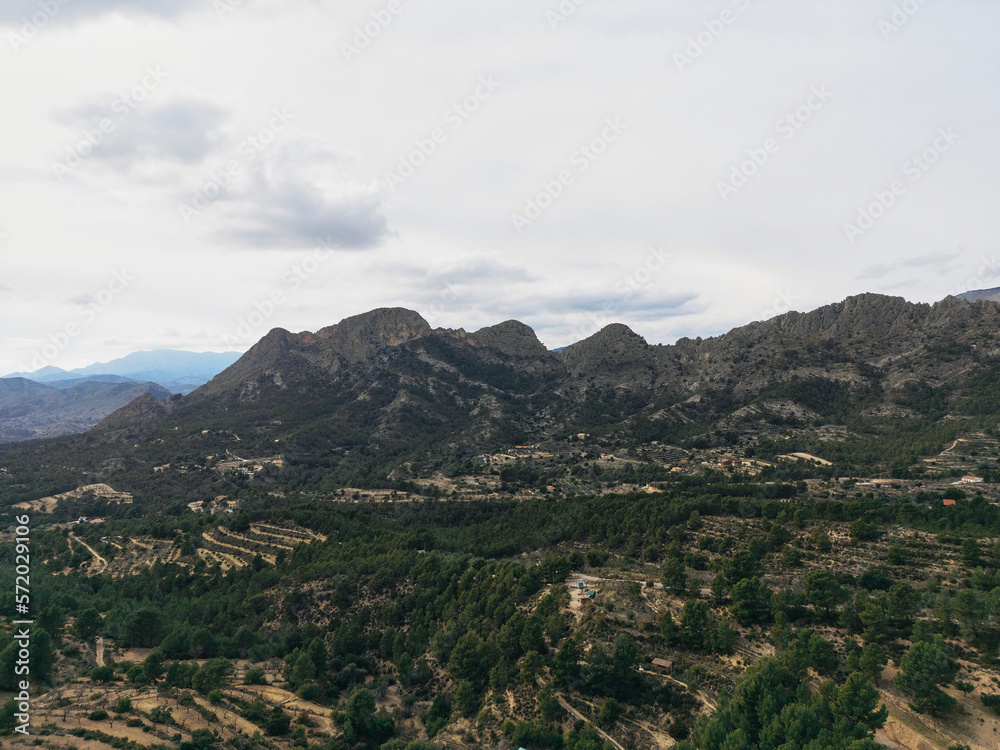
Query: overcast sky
191,173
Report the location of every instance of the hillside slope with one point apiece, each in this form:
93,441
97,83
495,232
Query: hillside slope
30,410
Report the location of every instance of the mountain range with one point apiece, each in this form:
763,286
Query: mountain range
384,395
52,401
177,371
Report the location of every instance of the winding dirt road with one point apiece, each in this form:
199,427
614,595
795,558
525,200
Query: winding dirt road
91,550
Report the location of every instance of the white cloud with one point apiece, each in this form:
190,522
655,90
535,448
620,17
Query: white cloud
297,195
777,244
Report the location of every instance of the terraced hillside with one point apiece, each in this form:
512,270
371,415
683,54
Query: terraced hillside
127,556
231,549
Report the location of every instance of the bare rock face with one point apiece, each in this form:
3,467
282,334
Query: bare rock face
362,336
512,344
510,337
386,380
615,356
275,354
282,358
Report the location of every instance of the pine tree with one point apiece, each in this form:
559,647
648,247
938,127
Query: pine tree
922,669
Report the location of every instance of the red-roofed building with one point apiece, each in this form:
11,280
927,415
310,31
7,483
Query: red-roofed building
949,501
663,666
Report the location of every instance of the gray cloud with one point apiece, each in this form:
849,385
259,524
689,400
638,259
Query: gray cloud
656,305
881,270
572,317
298,197
184,130
16,12
470,271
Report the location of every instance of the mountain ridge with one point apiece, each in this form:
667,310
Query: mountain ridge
390,362
177,370
989,295
383,394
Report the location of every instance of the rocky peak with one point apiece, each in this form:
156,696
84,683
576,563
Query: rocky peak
615,351
614,338
510,337
360,336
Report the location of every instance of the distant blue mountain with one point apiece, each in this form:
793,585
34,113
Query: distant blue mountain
992,295
71,382
177,371
30,410
42,376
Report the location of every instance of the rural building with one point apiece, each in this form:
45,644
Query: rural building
881,482
949,501
968,479
664,666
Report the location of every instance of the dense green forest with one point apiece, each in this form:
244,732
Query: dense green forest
457,603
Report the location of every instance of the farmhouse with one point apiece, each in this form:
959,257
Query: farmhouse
664,666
